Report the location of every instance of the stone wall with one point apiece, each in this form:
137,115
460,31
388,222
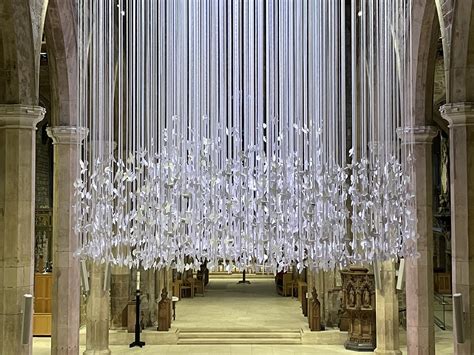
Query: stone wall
328,285
119,298
447,11
44,145
43,188
122,291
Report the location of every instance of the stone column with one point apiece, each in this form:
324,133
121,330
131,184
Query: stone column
17,209
152,295
461,154
387,312
66,274
98,303
419,272
98,313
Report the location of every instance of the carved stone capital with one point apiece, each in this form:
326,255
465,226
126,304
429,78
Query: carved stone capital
458,114
67,134
20,116
417,134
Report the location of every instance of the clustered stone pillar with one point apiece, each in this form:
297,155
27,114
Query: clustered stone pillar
17,206
98,314
66,274
419,272
387,311
461,136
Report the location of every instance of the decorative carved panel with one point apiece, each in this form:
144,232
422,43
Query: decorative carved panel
43,240
358,301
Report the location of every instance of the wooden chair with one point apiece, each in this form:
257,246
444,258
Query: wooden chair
188,284
288,284
199,286
185,291
177,288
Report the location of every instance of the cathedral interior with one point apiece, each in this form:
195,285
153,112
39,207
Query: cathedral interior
90,307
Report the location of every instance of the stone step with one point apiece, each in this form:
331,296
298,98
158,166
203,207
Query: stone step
272,341
237,276
239,336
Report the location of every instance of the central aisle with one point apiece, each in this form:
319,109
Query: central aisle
228,305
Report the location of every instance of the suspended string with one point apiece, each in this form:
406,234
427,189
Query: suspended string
218,132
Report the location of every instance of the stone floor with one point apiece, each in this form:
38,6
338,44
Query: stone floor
227,305
41,346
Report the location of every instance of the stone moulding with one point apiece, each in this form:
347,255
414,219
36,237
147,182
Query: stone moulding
20,116
458,114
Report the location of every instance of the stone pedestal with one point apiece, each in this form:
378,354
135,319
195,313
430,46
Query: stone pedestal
419,272
66,274
98,315
17,206
388,342
461,154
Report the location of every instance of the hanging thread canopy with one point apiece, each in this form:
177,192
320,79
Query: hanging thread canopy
256,132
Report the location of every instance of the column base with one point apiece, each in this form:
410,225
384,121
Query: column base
355,346
387,352
97,352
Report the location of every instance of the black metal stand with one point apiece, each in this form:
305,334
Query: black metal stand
138,330
243,281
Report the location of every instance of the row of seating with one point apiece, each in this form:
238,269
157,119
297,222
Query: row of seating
290,284
189,286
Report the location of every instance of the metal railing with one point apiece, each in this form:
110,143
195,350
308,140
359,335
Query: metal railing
446,302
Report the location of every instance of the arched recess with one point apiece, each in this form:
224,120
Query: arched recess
425,34
20,33
61,37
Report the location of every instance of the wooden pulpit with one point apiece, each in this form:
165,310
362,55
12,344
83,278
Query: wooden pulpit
358,299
